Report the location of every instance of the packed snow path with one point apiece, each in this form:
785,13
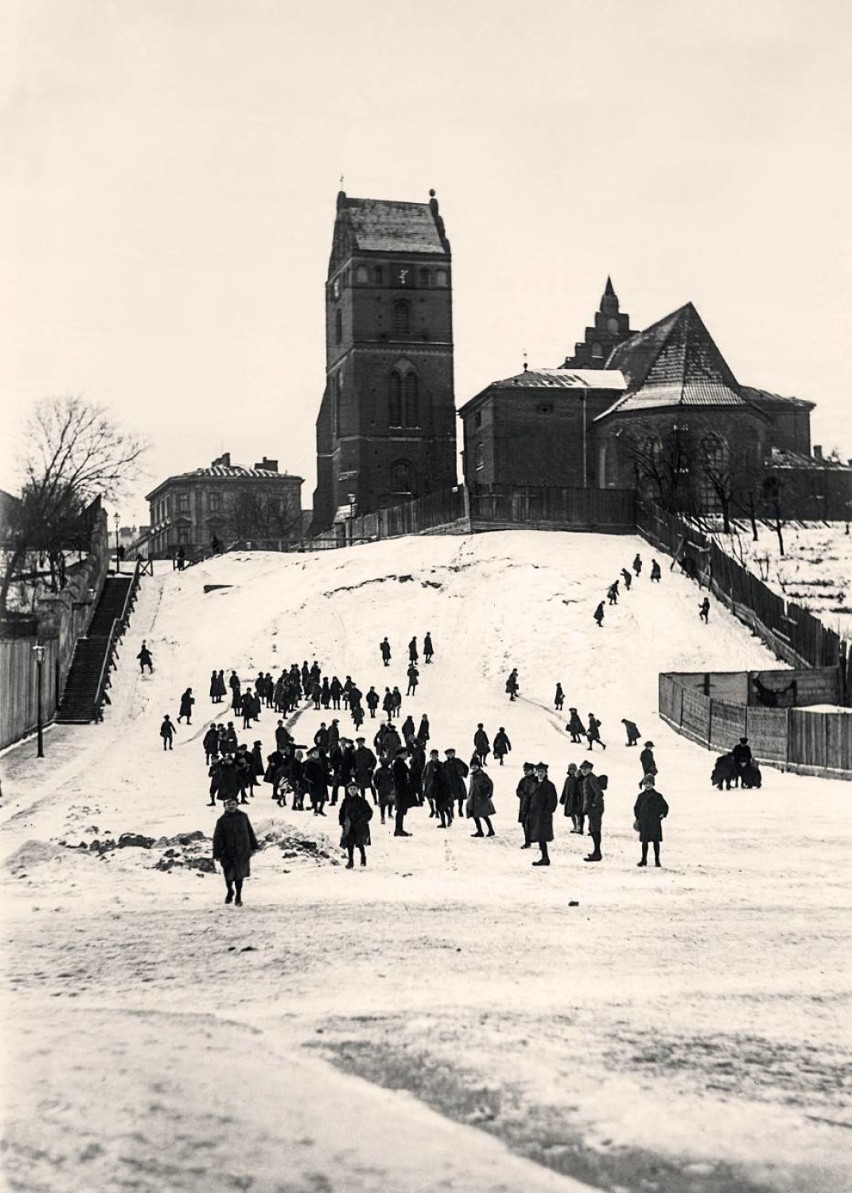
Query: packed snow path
677,1029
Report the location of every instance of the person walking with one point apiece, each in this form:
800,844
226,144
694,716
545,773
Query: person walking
523,791
413,679
145,660
632,732
457,772
575,726
479,803
233,844
543,803
593,733
559,698
428,650
656,574
612,593
186,702
627,578
355,816
502,745
481,745
512,685
593,808
167,732
649,811
646,759
599,615
704,611
637,564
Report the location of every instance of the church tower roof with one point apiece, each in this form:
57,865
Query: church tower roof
611,328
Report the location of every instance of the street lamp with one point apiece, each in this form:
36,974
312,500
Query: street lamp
117,557
38,651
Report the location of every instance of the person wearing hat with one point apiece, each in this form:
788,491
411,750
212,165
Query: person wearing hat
402,791
742,754
383,785
457,772
632,732
233,844
572,798
649,811
363,765
355,816
593,808
481,745
543,803
575,726
523,791
646,759
479,804
502,745
316,780
167,732
599,614
428,649
593,733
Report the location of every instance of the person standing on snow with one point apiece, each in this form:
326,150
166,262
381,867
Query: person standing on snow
384,647
412,651
479,803
593,808
427,648
599,614
646,759
593,733
656,574
704,610
543,803
233,844
145,659
559,698
575,726
502,745
512,685
355,816
481,745
402,792
628,579
612,593
632,732
572,798
523,791
637,564
413,678
186,702
649,811
372,700
457,771
167,732
210,741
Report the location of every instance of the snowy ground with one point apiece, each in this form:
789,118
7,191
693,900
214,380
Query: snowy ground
449,1018
815,570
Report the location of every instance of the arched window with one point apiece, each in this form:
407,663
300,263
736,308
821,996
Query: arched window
441,277
379,275
612,325
412,401
361,274
402,477
402,318
338,326
597,352
395,400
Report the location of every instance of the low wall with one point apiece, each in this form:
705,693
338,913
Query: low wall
796,739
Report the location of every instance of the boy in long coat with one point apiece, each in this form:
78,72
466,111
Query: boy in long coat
427,649
523,791
502,745
457,771
593,808
383,783
572,798
481,744
543,803
233,844
575,726
355,817
479,803
646,759
167,732
650,810
402,792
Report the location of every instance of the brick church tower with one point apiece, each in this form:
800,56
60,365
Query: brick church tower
611,328
386,425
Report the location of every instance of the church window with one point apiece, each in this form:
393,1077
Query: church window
597,352
612,324
395,400
402,477
412,401
214,501
402,318
424,277
338,326
441,277
361,273
480,455
379,275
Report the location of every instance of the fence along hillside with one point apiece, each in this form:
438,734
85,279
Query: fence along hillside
792,632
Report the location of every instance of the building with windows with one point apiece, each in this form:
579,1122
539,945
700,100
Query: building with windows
386,425
227,502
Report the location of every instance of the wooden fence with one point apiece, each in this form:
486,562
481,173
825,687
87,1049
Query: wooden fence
807,741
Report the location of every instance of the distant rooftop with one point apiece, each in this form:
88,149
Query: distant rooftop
387,226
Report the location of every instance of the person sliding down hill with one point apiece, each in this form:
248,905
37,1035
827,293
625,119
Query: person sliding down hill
502,745
145,659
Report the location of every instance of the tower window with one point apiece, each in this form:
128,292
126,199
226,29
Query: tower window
480,455
338,326
379,275
612,324
361,273
412,401
597,352
424,277
441,277
402,477
402,318
395,400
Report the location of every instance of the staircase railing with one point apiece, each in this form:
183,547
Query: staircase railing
116,633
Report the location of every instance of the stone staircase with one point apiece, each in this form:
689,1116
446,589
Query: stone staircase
79,704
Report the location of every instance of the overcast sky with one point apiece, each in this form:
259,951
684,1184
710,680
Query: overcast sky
169,169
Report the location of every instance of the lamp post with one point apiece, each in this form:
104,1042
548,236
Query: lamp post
38,651
117,556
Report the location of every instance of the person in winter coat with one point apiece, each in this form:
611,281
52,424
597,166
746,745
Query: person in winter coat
431,771
384,647
402,792
413,680
372,701
523,791
214,688
229,739
257,760
387,703
364,764
543,803
649,811
383,783
512,685
210,741
612,593
226,780
637,564
704,610
145,659
423,731
742,754
416,766
593,733
632,732
571,798
412,651
559,698
355,816
186,702
627,578
575,726
428,651
656,574
282,736
397,701
593,808
479,803
646,759
391,741
321,738
325,693
167,732
481,745
599,614
456,770
336,690
233,844
502,745
316,781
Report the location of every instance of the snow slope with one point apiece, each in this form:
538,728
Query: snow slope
622,1027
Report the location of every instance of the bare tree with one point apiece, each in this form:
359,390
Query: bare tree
73,453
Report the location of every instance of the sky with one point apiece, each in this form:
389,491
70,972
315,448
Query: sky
169,171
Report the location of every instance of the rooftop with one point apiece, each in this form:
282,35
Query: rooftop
387,226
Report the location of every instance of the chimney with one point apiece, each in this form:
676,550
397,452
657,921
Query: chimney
224,460
818,451
267,465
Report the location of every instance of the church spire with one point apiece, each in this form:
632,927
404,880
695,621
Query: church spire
609,299
611,328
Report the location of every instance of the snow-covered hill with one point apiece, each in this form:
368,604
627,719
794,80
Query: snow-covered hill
595,1017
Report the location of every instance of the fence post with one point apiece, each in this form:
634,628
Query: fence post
710,724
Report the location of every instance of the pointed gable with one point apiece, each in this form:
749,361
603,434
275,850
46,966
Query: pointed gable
675,362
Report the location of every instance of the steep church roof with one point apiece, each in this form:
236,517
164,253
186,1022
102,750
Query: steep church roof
675,362
386,226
